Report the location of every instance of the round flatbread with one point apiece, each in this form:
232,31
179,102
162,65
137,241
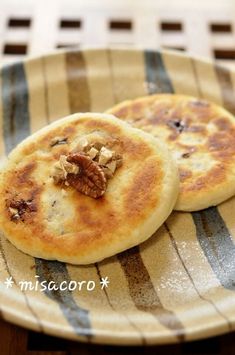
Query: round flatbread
58,201
201,137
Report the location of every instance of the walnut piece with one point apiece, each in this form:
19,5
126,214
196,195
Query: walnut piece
92,153
82,144
112,166
63,168
91,179
18,208
105,155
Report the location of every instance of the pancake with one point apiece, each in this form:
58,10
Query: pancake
201,137
61,200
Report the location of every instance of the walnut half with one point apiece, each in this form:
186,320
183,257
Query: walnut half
90,179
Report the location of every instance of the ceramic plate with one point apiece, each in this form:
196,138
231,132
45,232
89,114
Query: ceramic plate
177,286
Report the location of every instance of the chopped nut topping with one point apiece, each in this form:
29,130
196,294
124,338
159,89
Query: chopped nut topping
97,145
88,167
18,208
91,180
82,144
118,159
14,213
105,156
112,166
58,141
107,172
92,153
63,168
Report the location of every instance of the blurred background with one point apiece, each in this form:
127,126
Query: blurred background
201,27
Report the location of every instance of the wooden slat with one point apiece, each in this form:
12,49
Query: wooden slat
13,339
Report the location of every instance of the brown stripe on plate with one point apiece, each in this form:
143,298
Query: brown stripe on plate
76,316
120,297
56,90
97,299
99,79
38,100
144,294
78,90
227,88
98,302
131,324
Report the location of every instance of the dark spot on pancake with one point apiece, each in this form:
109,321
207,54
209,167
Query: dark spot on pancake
177,124
189,152
186,155
53,203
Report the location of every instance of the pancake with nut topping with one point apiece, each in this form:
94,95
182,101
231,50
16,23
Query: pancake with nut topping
201,137
84,188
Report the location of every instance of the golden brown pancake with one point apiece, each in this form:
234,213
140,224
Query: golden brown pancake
85,218
201,137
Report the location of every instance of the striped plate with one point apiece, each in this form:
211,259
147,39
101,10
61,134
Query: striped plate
177,286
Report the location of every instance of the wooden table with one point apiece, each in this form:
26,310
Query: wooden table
16,340
201,27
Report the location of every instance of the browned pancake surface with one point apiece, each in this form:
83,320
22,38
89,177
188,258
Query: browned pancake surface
66,225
